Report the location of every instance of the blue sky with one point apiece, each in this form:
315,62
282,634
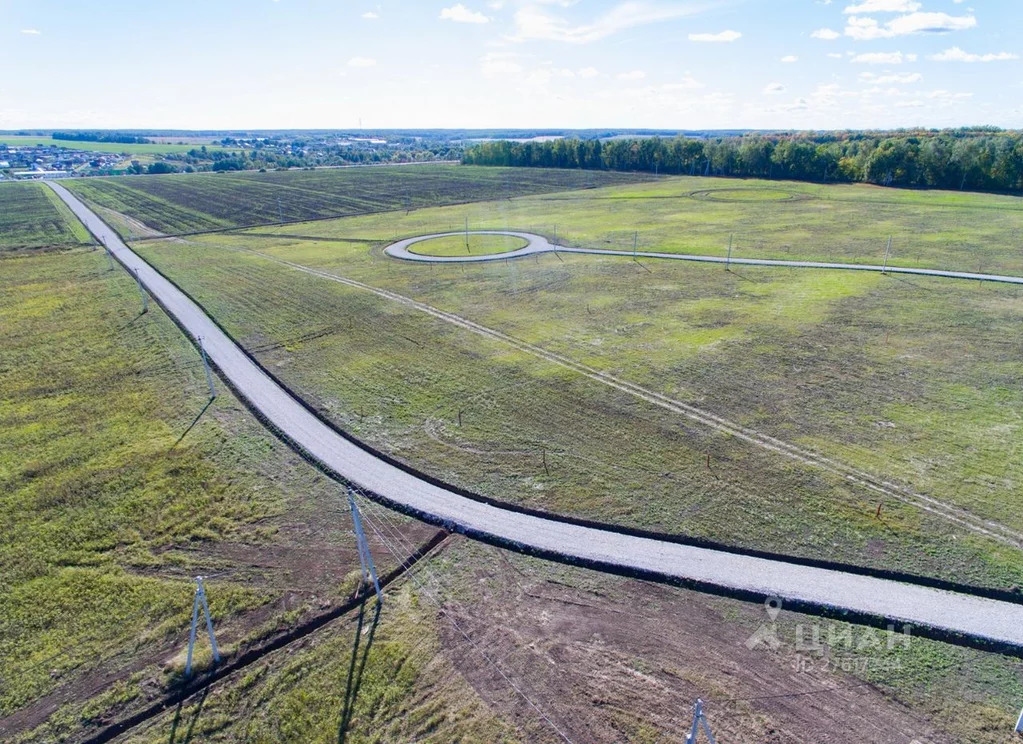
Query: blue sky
690,64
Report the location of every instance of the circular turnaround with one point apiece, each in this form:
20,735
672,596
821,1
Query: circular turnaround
744,195
539,244
471,244
529,243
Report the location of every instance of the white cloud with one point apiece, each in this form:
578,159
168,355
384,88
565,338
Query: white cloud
361,62
834,55
789,59
588,72
825,33
883,6
723,36
909,77
862,28
633,75
773,89
497,64
369,15
461,14
31,32
533,22
955,54
883,58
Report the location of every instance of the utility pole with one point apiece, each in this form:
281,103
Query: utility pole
280,212
467,234
635,240
728,259
1019,724
365,559
110,257
206,366
699,719
887,253
555,235
200,596
142,292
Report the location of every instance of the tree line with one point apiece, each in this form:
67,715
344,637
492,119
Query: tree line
116,137
985,159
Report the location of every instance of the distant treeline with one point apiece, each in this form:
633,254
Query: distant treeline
975,159
123,139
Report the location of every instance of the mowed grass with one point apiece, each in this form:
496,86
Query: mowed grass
206,201
784,351
468,245
114,147
31,216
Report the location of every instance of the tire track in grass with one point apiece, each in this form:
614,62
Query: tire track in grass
877,485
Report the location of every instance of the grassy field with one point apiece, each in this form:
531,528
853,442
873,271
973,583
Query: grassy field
118,486
604,660
471,245
184,203
114,147
913,381
31,216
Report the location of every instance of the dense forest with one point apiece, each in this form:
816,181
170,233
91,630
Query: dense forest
974,159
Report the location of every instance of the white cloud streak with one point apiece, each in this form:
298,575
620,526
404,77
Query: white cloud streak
724,36
532,21
826,34
883,58
863,28
883,6
955,54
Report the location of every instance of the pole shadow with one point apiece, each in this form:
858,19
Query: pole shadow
132,322
355,669
194,422
191,724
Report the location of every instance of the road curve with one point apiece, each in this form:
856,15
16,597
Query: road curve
802,587
540,244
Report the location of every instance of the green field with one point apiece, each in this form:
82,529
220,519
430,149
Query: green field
175,204
31,216
603,659
912,381
468,245
114,147
118,485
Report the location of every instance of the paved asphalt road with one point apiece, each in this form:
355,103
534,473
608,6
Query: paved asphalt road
540,244
970,615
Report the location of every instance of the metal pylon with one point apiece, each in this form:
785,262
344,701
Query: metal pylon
365,559
699,719
200,597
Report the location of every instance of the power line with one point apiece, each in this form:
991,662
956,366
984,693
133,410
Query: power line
463,633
